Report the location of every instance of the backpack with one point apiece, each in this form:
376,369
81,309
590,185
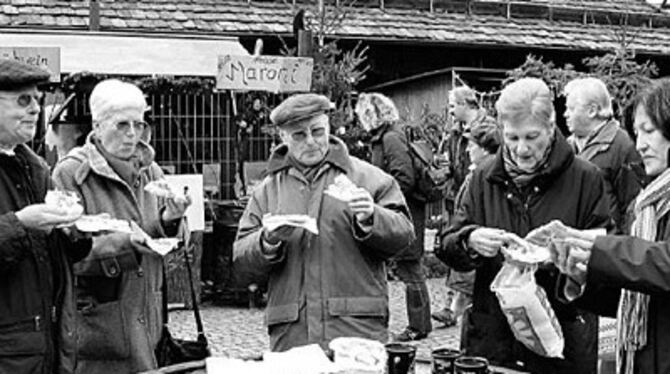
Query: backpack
431,181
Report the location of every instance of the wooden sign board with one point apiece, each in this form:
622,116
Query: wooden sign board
264,73
47,58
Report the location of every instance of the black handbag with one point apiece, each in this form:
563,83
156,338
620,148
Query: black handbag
169,350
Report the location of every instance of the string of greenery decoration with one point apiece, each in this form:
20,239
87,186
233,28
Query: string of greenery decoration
83,82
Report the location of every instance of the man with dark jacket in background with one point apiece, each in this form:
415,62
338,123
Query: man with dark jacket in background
390,152
598,138
36,300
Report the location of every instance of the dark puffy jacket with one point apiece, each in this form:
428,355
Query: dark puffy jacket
36,301
390,152
619,262
571,190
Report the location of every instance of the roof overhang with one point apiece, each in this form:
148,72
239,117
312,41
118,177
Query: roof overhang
129,53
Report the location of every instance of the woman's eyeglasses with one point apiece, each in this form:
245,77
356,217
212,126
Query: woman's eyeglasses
124,126
23,100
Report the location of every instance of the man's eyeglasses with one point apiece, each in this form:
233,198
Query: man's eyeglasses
124,126
23,100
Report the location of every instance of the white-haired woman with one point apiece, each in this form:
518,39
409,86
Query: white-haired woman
118,288
533,179
390,152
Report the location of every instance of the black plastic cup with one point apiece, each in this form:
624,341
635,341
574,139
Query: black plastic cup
400,358
443,360
471,365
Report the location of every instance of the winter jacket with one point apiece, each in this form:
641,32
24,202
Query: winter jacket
619,262
612,150
118,291
569,189
390,152
36,303
332,284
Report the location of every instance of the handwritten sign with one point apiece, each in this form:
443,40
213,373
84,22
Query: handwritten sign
264,73
47,58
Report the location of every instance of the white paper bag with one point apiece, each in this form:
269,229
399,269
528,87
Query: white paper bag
527,310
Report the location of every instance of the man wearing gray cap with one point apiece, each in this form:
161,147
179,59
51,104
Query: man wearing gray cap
36,311
330,280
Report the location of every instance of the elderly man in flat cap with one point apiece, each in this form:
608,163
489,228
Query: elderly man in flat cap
36,309
331,283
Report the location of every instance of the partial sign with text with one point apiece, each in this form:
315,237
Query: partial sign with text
47,58
264,73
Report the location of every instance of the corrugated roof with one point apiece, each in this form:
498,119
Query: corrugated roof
228,17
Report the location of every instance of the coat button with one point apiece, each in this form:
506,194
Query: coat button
113,270
137,183
509,196
140,319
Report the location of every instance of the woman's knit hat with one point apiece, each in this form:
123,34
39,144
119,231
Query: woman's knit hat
112,96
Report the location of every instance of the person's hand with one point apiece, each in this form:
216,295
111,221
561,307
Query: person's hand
176,207
362,204
45,217
274,238
487,241
571,256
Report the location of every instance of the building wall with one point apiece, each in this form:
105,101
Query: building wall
411,98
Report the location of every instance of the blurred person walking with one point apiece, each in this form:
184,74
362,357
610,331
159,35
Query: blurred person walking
390,152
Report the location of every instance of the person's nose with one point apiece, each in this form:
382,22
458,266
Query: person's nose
522,147
34,106
641,144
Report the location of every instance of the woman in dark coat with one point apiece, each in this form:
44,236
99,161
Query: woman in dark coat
390,152
533,179
636,267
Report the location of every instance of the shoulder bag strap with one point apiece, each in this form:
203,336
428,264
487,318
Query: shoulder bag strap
196,309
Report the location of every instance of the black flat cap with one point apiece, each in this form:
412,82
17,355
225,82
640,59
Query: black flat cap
15,74
300,107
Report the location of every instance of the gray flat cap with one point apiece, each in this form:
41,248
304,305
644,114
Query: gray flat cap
300,107
15,74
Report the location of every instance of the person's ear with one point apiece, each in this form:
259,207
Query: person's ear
593,110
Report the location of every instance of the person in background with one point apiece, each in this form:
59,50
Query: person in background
68,130
390,152
465,113
36,309
535,178
630,275
598,138
483,143
118,289
331,284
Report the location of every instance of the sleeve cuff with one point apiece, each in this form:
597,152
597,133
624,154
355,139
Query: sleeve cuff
573,290
273,253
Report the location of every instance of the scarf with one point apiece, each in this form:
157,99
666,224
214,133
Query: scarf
650,206
522,177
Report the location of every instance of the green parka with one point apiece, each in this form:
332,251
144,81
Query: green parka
332,284
119,296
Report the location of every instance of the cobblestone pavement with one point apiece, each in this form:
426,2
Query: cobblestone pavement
241,332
